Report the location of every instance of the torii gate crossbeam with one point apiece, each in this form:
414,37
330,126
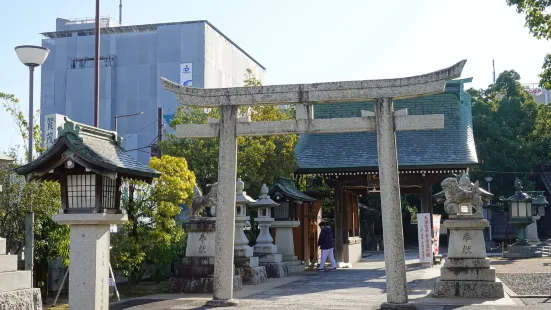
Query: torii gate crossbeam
384,120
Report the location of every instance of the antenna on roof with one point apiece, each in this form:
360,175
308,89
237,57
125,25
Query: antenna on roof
120,12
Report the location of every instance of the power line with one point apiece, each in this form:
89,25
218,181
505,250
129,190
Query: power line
154,122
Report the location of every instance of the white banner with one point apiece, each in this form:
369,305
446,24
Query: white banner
186,74
51,123
425,237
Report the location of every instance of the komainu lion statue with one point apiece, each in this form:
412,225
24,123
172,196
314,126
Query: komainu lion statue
200,202
464,193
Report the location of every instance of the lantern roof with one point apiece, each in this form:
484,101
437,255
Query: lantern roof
519,195
287,187
241,196
95,149
538,198
264,199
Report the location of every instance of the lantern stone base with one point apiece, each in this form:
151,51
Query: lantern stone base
522,250
268,258
252,275
466,271
294,266
265,249
28,299
276,270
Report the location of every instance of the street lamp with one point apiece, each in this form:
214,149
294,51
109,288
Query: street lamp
116,117
31,56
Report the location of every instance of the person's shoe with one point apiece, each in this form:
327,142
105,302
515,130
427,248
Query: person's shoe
321,270
333,269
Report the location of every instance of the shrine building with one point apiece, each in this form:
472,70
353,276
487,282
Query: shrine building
349,164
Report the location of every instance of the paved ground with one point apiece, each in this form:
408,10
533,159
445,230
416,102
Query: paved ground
360,288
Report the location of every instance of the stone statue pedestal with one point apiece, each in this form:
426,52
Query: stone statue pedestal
466,271
196,274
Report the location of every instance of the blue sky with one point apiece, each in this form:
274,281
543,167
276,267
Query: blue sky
304,41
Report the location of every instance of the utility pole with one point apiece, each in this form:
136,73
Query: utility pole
494,67
159,131
120,12
96,69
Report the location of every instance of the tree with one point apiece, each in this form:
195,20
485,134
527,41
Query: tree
11,105
16,198
152,235
259,159
512,132
538,22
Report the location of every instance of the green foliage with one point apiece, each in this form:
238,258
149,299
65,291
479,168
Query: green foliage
538,22
18,196
11,105
259,159
152,235
512,132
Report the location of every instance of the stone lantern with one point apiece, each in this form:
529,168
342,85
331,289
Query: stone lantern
265,249
89,163
241,245
246,264
538,210
520,215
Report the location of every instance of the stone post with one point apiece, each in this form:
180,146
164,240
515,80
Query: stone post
225,211
393,237
89,254
285,243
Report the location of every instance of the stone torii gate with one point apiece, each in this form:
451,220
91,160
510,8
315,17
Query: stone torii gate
384,121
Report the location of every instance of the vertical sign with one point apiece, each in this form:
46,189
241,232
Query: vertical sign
185,74
425,237
51,123
436,231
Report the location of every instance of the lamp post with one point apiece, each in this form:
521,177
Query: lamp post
31,56
116,118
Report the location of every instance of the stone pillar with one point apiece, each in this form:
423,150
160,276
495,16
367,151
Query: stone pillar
393,236
89,254
225,210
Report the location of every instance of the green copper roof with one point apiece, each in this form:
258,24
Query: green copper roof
451,147
287,187
96,149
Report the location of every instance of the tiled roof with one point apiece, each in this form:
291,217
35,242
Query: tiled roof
96,147
451,147
287,187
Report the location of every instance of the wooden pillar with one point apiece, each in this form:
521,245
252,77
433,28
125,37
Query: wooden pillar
426,197
338,221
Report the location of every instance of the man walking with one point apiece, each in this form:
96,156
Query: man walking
325,242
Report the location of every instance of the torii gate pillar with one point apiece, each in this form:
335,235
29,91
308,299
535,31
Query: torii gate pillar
384,121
